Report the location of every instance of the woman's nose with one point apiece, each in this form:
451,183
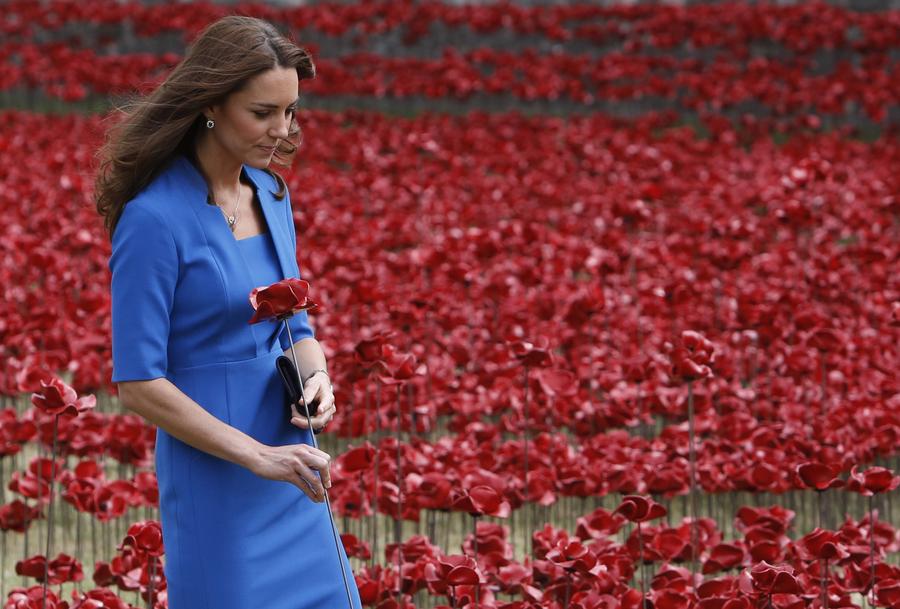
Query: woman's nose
282,128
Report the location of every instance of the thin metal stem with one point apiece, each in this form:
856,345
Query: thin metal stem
692,462
50,513
334,533
872,549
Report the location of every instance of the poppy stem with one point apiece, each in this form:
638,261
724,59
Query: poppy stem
475,537
569,592
525,429
695,542
398,520
375,472
150,583
819,500
641,563
475,552
824,383
25,554
78,533
50,513
3,566
93,521
334,533
872,549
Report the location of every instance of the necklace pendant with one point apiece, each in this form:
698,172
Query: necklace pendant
231,221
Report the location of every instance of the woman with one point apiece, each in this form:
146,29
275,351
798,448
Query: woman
197,220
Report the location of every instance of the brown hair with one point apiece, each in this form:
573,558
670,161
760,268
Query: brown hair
226,55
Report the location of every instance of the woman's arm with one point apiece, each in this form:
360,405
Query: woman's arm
316,383
163,404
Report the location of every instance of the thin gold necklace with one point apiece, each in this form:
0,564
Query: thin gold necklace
233,218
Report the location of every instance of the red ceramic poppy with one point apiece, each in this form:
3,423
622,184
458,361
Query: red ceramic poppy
356,459
34,598
145,537
62,569
280,300
692,357
368,351
449,572
56,398
827,339
820,544
98,598
640,509
574,557
818,476
482,501
17,516
772,579
872,481
723,557
598,524
533,354
355,548
397,367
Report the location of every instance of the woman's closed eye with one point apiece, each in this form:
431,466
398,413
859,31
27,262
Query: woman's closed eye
265,113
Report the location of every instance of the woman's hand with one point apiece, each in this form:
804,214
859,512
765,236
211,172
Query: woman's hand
297,464
316,388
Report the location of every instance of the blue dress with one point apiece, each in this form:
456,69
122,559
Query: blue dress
180,306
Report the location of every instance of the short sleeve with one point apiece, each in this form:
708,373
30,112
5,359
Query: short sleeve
299,323
144,268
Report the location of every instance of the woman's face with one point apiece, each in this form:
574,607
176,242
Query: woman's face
250,123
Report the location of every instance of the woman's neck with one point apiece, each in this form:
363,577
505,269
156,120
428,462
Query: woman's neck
222,171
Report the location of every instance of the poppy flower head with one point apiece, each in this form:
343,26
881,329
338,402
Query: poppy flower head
821,545
772,579
872,481
482,500
369,350
573,556
691,358
355,548
56,398
827,340
536,354
33,598
145,537
636,508
818,476
280,300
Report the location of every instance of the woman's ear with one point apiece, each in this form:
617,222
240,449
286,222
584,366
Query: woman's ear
211,112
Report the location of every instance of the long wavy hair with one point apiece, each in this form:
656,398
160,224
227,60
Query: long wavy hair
153,129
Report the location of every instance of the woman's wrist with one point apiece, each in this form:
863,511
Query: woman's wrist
315,372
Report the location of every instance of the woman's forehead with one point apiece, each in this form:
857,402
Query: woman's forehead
274,87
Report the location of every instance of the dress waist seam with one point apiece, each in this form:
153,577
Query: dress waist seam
222,363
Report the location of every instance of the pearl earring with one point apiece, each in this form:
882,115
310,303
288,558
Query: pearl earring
210,123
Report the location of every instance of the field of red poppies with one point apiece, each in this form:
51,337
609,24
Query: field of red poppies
610,297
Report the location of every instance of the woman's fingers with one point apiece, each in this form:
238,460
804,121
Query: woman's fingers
312,461
306,467
310,484
322,418
308,490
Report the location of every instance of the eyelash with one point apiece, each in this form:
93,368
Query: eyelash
265,113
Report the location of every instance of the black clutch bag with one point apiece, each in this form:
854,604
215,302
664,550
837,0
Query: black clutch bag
288,373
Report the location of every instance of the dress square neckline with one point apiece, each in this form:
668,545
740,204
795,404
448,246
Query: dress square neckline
262,234
254,201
